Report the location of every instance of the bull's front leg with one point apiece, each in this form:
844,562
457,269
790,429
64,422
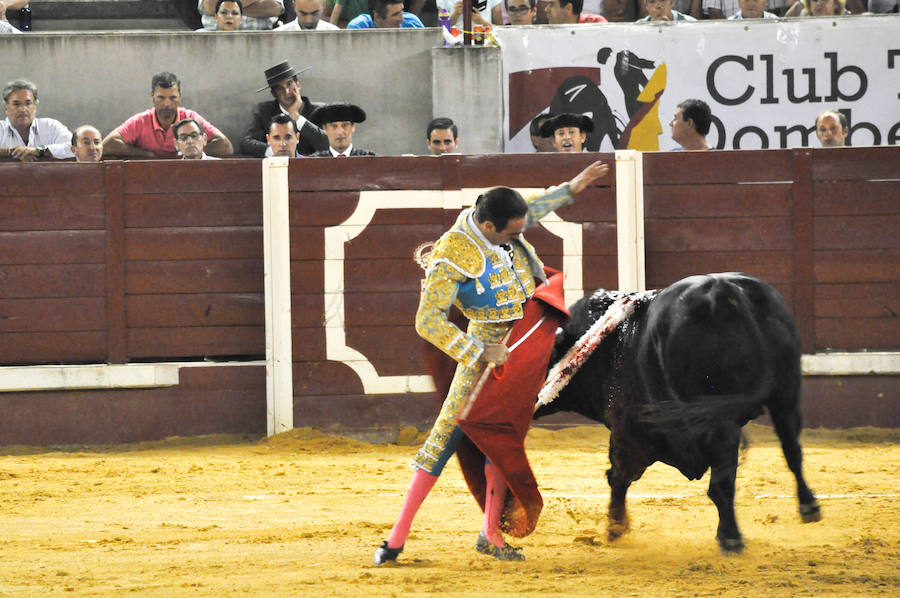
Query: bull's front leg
723,472
625,467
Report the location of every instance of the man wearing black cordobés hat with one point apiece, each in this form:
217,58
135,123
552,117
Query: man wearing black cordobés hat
283,82
339,123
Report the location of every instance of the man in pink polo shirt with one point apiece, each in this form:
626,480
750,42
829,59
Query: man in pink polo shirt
149,134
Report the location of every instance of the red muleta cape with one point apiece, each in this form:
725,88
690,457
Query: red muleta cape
498,420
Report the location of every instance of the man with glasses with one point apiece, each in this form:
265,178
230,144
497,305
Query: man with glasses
521,12
24,137
190,140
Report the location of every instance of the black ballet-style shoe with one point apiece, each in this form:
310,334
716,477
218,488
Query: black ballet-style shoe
385,553
507,553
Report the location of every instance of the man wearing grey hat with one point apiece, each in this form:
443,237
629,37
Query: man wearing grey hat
283,82
568,131
339,122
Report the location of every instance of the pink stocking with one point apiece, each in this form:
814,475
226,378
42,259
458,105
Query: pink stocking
494,497
422,483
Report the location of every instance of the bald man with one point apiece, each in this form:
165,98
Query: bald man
87,144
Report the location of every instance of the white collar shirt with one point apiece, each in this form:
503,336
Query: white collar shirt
346,152
47,132
322,25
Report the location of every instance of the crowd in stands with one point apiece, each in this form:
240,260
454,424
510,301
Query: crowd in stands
307,15
290,124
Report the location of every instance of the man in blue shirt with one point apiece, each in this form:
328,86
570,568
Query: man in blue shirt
386,14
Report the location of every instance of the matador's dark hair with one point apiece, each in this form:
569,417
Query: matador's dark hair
500,205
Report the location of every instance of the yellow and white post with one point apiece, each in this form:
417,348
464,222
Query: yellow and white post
630,220
277,279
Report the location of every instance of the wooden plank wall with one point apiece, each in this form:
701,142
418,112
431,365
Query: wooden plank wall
731,213
162,260
857,248
193,260
52,263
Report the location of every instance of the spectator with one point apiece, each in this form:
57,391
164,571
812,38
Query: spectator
690,125
882,6
309,13
149,134
832,128
386,14
484,12
257,14
190,140
341,12
541,144
620,11
87,144
753,9
339,123
722,9
521,12
561,12
283,137
661,10
817,8
229,15
24,137
442,136
284,85
568,132
5,27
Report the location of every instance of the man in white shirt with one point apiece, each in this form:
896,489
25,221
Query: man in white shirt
339,123
25,137
309,14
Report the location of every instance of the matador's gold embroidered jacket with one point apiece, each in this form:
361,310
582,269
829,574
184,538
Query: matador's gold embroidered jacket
466,270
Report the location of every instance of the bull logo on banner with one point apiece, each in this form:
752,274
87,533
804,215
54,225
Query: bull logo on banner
632,124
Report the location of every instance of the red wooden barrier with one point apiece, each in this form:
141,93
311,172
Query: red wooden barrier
162,260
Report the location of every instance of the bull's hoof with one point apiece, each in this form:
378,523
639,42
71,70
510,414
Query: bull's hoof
616,528
731,545
810,513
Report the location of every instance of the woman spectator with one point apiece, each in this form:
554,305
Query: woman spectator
229,15
818,8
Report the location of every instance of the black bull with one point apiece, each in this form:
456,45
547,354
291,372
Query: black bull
678,380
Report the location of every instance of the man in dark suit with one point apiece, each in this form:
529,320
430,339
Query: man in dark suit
339,122
284,85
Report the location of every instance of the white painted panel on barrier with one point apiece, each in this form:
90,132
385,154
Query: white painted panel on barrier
277,282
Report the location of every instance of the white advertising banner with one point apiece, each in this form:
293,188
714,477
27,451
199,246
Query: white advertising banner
765,80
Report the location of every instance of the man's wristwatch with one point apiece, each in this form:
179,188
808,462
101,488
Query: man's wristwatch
42,151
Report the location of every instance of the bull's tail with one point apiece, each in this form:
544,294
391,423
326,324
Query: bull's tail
704,413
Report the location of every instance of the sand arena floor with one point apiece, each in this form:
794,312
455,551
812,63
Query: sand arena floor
301,515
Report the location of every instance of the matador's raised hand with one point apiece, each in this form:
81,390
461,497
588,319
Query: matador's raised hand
587,176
